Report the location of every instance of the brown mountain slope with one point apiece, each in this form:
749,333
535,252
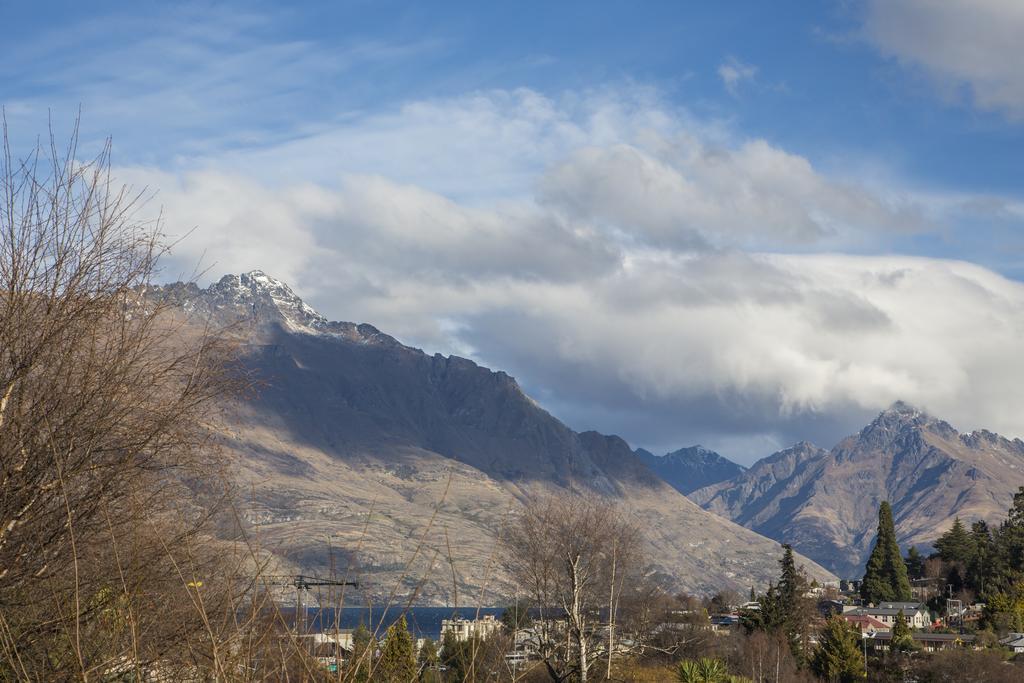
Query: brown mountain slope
826,502
398,464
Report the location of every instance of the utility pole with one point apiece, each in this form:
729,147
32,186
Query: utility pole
953,608
304,583
515,638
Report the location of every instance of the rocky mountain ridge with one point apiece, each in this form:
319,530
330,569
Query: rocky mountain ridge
400,468
688,469
823,502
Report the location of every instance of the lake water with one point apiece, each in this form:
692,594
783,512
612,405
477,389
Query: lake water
424,622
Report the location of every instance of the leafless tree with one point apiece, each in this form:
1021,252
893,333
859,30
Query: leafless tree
104,408
576,556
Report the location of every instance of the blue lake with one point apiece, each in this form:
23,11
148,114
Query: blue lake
424,622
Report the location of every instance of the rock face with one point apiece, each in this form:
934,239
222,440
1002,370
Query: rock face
399,468
689,469
825,502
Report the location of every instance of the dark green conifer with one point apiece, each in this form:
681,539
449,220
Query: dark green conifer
885,576
790,581
771,609
915,563
427,662
516,617
838,657
364,648
980,565
766,616
1008,557
795,609
902,639
956,545
397,663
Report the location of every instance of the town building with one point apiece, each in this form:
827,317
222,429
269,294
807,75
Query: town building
464,629
865,623
916,613
1013,641
929,642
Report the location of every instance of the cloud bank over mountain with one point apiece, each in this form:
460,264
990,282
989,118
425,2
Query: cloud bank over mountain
640,270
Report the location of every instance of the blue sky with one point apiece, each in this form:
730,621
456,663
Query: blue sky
459,173
820,89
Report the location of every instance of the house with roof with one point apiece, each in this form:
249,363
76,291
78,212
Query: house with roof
929,642
865,623
916,613
724,622
1013,641
826,608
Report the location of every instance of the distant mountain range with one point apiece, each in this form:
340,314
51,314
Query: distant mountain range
399,468
825,502
689,469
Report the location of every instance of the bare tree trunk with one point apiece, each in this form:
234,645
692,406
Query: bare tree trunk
611,612
563,549
577,617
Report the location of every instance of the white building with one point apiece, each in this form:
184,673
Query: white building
916,613
1014,641
464,629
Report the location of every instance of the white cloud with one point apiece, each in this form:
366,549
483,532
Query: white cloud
733,73
635,282
476,148
972,43
683,192
762,338
616,160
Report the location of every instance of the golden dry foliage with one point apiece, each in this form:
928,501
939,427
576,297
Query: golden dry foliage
104,563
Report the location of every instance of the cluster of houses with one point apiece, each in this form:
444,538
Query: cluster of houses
335,645
875,622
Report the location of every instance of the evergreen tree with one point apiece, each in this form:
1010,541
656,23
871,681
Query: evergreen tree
454,656
795,610
364,648
1015,516
838,657
980,565
771,608
1008,556
915,563
885,576
465,658
427,662
753,595
516,617
956,545
996,570
955,579
767,617
784,608
790,585
397,662
902,639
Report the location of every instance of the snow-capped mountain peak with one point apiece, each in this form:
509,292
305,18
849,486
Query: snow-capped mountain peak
265,294
260,303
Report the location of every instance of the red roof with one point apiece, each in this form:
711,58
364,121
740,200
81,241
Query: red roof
865,622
